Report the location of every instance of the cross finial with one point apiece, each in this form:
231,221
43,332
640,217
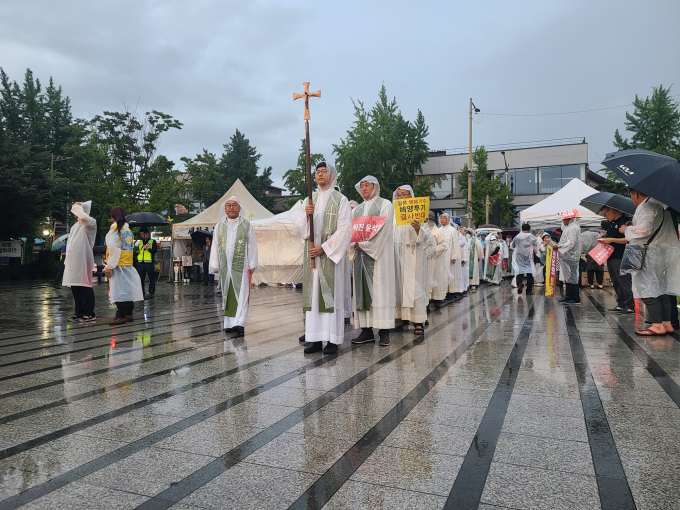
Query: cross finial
306,95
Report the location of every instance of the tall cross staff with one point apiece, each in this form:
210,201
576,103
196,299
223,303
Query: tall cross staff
306,95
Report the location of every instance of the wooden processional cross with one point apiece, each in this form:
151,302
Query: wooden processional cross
306,95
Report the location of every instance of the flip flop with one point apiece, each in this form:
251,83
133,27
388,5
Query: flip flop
648,332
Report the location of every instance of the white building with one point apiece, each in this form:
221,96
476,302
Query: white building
535,170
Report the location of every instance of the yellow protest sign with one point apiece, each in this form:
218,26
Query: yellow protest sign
408,209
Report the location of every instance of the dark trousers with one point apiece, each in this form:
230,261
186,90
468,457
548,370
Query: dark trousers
207,277
659,308
530,282
674,311
60,274
573,292
124,308
84,301
144,268
623,285
592,274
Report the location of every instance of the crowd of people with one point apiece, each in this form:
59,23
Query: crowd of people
392,278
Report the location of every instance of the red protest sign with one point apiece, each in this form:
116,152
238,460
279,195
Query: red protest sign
365,227
601,252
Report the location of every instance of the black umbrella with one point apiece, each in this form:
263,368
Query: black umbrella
146,219
200,236
650,173
597,201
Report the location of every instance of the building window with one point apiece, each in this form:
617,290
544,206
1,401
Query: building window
442,186
525,182
518,209
570,172
551,179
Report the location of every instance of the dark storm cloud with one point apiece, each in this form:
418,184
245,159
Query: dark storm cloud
222,65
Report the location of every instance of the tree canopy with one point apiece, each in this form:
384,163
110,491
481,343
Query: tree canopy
384,144
485,184
655,126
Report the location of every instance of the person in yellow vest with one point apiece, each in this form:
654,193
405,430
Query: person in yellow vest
145,249
125,285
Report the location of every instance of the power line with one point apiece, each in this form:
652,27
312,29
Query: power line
560,113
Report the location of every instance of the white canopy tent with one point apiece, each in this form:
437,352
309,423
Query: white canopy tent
208,218
545,213
279,249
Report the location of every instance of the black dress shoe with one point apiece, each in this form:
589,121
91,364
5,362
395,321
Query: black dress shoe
313,347
228,330
302,339
239,331
330,348
365,337
384,337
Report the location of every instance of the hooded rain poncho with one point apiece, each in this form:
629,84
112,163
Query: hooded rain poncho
569,250
524,247
660,273
79,260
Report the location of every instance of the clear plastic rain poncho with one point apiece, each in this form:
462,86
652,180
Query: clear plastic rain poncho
524,246
569,249
79,257
660,273
376,186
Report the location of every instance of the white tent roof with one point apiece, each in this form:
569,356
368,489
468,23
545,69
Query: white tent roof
545,213
250,208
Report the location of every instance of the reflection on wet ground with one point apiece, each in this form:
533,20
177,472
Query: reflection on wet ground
507,402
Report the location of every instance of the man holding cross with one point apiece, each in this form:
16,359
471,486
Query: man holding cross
323,288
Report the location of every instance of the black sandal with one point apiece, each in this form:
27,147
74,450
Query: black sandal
418,329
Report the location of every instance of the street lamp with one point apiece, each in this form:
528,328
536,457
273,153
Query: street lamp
46,233
469,208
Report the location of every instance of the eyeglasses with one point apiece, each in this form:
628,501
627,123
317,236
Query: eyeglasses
321,172
231,205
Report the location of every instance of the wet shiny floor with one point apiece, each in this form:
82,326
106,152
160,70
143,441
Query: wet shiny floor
507,402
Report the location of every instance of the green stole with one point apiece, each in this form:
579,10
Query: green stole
232,289
473,259
491,268
327,266
364,265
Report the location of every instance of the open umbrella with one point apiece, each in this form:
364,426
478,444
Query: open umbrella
488,226
597,201
145,219
59,242
650,173
200,236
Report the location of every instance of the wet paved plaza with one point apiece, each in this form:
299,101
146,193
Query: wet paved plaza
507,402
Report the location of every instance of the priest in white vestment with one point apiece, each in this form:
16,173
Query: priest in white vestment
476,256
462,279
374,282
465,276
234,257
411,245
492,260
440,274
323,288
449,236
348,277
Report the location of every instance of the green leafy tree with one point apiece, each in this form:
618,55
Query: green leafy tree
207,183
655,126
383,144
295,179
483,184
34,123
240,161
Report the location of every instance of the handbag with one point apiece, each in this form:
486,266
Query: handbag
634,254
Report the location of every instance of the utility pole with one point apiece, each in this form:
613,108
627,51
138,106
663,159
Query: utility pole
54,158
488,203
469,207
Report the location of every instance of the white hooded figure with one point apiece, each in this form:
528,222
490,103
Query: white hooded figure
505,257
492,260
374,281
660,273
79,261
234,258
439,263
411,245
463,276
524,246
569,255
324,296
449,236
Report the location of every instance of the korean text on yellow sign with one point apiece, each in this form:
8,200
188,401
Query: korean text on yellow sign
408,209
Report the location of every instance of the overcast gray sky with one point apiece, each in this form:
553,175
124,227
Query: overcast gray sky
222,65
